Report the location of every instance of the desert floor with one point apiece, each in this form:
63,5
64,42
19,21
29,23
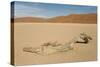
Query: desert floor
35,34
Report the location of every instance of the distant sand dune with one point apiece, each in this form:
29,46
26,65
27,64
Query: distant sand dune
73,18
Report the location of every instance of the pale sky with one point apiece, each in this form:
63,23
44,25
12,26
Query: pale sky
47,10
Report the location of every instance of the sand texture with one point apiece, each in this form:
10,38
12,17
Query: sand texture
35,34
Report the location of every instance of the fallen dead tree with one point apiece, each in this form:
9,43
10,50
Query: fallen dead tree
51,47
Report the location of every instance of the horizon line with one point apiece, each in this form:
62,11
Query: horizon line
53,16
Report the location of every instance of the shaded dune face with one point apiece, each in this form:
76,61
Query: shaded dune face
76,18
73,18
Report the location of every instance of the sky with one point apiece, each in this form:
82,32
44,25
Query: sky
48,10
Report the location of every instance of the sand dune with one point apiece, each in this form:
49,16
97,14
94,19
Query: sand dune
73,18
29,19
76,18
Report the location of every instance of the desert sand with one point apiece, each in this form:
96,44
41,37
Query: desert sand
35,34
